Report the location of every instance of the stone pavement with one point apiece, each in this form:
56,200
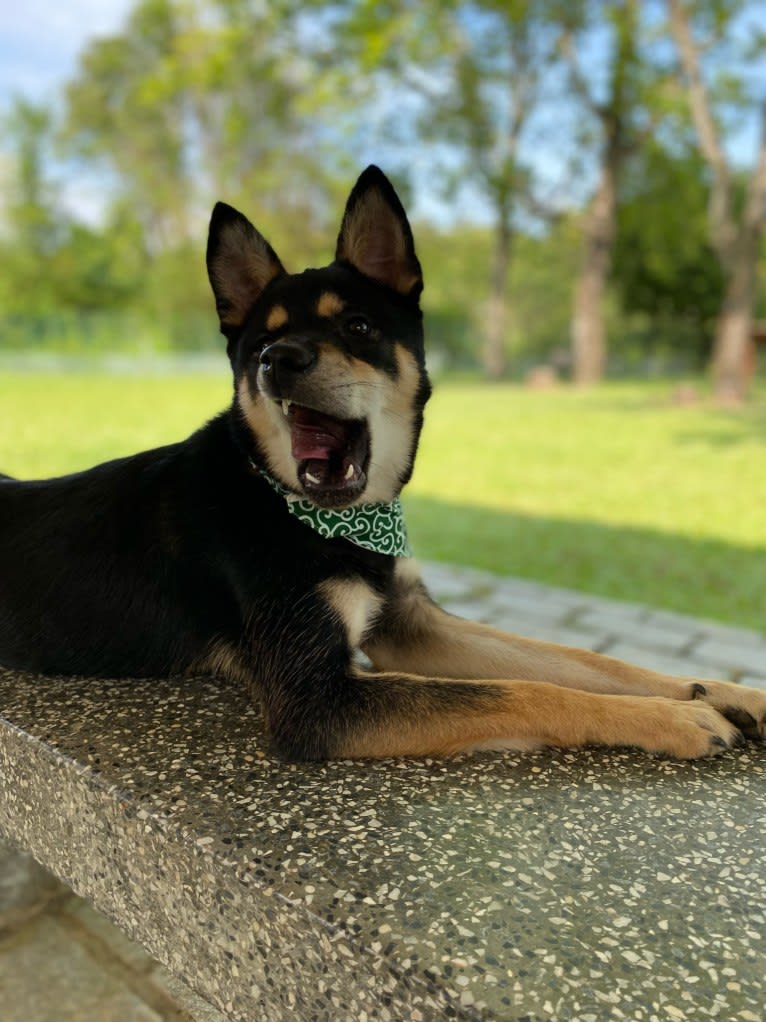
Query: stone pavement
657,639
60,961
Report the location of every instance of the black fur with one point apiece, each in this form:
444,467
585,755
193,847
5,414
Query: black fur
145,565
185,559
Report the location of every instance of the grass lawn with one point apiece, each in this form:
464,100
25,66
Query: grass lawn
617,492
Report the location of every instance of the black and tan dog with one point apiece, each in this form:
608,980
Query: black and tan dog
192,558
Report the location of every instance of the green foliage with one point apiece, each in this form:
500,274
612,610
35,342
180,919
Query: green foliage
456,266
664,266
541,292
268,106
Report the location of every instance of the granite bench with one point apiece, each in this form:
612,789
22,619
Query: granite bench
562,885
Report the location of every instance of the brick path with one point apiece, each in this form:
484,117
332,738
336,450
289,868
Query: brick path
60,961
661,640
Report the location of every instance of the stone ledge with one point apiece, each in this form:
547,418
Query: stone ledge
556,885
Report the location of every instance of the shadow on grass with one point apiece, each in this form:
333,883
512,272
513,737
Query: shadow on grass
701,577
729,430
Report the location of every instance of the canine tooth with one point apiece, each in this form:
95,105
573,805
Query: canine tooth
351,471
312,479
285,407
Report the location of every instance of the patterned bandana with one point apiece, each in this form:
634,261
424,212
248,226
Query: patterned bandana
376,527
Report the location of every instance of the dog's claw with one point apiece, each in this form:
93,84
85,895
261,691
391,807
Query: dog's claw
745,721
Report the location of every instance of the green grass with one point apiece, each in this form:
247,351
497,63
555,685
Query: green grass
617,492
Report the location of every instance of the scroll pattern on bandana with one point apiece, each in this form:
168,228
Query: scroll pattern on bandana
376,527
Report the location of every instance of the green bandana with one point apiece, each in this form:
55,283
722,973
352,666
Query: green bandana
376,527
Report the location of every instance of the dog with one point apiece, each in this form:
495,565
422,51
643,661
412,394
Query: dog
269,547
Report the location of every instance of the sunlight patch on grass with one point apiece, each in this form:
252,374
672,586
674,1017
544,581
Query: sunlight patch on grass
622,455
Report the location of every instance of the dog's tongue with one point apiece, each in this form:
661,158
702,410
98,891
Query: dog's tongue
315,436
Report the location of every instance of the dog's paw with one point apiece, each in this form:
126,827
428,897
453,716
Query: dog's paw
744,707
685,730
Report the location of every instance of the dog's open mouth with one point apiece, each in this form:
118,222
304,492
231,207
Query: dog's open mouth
332,454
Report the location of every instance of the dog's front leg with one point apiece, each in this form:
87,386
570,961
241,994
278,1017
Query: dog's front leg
318,705
414,635
351,714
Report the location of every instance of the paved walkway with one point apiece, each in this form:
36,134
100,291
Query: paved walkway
60,961
661,640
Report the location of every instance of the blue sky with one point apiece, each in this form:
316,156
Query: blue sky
40,41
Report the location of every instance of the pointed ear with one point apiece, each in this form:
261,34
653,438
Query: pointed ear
240,263
375,235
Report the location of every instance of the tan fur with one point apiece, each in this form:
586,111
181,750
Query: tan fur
433,641
355,604
329,304
392,428
266,420
276,318
349,389
530,714
615,703
223,660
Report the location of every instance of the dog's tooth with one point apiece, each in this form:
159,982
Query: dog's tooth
285,407
312,479
351,471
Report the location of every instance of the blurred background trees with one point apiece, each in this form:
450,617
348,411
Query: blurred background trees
587,179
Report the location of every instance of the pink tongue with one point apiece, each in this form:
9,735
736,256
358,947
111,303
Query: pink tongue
315,436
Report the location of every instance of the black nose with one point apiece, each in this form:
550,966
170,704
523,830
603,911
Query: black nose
287,358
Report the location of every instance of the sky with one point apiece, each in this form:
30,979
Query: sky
40,41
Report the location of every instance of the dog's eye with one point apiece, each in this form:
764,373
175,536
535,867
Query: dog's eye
359,326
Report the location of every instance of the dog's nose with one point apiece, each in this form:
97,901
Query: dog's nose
287,358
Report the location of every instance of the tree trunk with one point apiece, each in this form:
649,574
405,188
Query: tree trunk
736,244
493,356
735,324
588,328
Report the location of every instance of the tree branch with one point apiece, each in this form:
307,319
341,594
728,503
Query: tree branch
722,226
755,205
579,81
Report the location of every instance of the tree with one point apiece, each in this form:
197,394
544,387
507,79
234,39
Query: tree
126,113
614,116
735,226
195,100
33,220
664,268
472,76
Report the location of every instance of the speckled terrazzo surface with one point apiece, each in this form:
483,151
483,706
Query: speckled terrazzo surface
558,886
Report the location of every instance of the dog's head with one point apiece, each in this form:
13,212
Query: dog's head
329,370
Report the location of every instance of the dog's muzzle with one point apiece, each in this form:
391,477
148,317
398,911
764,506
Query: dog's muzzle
332,453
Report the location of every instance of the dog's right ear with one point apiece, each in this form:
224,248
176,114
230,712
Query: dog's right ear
240,263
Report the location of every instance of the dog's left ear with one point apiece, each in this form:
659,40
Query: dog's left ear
375,235
240,263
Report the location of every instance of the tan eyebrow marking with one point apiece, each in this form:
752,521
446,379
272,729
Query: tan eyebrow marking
277,317
329,304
